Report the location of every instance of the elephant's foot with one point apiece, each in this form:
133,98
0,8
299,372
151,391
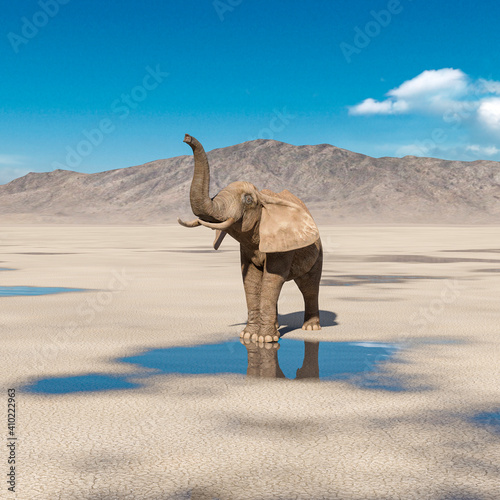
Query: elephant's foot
266,334
312,324
250,330
254,333
265,345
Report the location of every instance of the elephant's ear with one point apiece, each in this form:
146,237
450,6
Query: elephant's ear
285,225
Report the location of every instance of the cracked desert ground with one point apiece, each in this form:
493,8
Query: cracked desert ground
229,436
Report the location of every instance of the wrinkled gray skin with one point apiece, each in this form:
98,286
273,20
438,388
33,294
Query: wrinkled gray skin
237,211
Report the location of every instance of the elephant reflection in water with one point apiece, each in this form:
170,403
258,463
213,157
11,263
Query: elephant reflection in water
263,360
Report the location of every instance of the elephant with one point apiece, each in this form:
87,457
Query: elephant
279,241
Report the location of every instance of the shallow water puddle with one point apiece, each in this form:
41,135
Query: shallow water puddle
358,363
489,420
81,383
14,291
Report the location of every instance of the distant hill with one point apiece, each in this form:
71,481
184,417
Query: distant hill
337,185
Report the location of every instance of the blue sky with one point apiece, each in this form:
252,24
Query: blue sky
92,86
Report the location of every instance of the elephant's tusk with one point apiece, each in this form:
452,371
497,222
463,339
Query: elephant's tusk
219,236
193,223
219,225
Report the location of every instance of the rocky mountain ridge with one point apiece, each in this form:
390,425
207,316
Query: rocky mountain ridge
337,185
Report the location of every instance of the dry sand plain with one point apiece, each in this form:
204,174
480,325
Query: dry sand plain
233,437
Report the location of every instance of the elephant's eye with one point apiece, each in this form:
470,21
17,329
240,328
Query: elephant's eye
248,199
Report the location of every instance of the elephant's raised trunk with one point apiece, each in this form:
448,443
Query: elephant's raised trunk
201,204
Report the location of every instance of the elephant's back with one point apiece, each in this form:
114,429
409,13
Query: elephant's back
287,196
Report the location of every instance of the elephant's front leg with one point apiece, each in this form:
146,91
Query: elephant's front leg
276,271
252,282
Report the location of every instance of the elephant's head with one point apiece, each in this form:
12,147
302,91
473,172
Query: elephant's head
281,222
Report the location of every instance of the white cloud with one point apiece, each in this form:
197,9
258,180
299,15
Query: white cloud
482,150
448,93
412,150
460,115
488,112
488,86
11,160
372,107
442,82
431,91
450,151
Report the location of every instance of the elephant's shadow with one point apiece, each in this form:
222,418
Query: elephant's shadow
293,321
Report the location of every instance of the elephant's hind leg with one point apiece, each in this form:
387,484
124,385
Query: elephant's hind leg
309,286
